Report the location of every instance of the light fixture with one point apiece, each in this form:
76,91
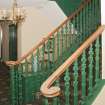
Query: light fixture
15,15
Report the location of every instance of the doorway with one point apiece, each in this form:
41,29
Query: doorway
8,41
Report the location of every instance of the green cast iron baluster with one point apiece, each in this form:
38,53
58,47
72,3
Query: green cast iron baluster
58,46
38,60
46,101
48,50
84,23
53,49
66,36
20,84
75,83
16,83
77,32
12,86
56,100
92,15
91,69
76,36
73,35
87,20
69,33
33,63
43,55
75,29
95,4
81,26
62,40
26,66
97,52
67,87
99,12
94,9
83,69
70,37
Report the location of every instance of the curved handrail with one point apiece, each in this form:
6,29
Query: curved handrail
49,35
51,91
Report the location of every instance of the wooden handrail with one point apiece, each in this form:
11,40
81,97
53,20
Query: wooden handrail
51,91
10,63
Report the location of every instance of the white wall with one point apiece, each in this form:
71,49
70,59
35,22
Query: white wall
32,30
53,13
103,38
39,22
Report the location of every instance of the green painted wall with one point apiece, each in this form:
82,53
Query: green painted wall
68,6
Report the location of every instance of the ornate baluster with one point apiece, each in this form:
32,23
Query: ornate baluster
87,20
84,23
63,36
69,34
48,51
38,60
75,83
32,63
62,42
53,48
20,84
95,5
43,56
66,36
16,83
56,100
73,33
99,12
46,101
97,52
91,69
67,87
77,36
92,15
26,66
12,86
83,69
81,27
58,46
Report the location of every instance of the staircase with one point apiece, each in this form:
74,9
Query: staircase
4,84
72,52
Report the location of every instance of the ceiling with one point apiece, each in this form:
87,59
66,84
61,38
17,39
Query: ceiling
8,3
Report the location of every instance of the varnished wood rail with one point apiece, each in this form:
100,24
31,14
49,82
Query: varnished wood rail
51,91
43,41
